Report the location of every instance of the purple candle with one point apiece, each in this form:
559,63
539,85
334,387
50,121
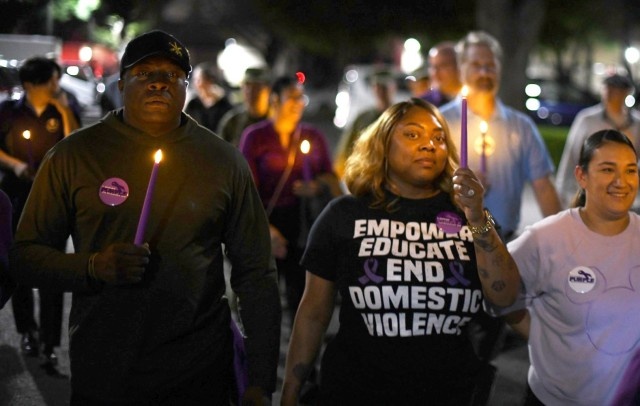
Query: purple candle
484,127
463,128
27,136
305,147
146,207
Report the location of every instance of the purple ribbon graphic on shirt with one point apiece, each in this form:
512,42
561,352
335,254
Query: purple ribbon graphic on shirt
370,268
457,270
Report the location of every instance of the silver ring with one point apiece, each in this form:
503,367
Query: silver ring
471,192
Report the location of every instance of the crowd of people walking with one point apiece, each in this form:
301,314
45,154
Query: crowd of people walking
409,229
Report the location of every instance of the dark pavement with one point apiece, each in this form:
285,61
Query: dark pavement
25,382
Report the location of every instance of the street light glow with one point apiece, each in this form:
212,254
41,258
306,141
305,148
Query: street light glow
411,59
412,45
235,59
632,55
85,53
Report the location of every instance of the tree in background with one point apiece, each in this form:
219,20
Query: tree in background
322,36
516,25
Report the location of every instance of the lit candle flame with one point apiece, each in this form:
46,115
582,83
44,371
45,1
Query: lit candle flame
484,127
305,146
158,156
26,134
465,91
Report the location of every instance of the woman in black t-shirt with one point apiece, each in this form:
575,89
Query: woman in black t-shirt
409,251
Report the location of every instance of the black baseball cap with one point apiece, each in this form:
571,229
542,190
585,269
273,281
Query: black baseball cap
154,43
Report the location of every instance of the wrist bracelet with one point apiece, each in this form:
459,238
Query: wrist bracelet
91,270
488,225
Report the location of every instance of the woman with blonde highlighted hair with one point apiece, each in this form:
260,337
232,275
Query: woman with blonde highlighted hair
411,252
367,169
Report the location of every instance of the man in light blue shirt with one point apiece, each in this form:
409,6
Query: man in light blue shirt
514,155
514,152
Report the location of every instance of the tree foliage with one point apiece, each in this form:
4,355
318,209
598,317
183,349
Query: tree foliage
23,16
322,26
328,34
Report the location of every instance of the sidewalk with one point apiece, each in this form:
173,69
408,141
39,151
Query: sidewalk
23,381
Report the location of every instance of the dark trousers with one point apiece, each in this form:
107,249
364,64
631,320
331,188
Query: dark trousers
22,303
22,300
213,386
487,335
51,309
287,221
294,279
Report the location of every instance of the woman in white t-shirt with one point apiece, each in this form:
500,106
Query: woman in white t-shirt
580,273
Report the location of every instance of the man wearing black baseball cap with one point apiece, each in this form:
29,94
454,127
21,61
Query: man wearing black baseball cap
149,322
611,113
155,43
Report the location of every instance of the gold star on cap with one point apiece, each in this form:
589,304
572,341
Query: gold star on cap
175,48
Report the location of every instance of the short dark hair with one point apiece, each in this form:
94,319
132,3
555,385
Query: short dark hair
38,70
283,82
618,81
211,73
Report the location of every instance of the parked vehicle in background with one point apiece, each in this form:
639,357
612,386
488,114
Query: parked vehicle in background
10,87
18,47
80,80
556,103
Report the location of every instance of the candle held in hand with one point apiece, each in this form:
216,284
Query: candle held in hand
146,206
26,134
463,128
484,127
305,147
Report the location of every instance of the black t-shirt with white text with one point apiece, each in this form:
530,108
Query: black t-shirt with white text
409,287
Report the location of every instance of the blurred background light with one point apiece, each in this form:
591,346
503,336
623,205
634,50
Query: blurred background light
235,58
411,58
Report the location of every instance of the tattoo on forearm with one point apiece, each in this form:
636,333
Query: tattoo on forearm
301,371
498,286
487,243
483,273
498,261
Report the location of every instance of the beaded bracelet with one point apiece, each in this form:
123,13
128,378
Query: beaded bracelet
91,270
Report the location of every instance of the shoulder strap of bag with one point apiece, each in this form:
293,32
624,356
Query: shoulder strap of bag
291,158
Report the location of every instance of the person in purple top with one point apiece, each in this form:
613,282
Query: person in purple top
290,183
6,284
